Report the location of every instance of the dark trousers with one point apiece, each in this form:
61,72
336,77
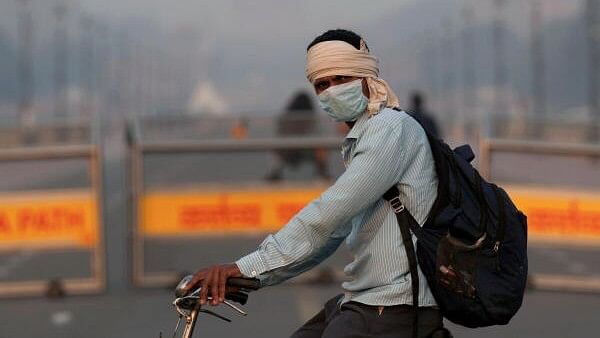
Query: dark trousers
354,320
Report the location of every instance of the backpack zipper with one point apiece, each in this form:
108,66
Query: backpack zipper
501,232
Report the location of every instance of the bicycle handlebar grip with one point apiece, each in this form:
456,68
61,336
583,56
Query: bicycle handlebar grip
244,283
237,296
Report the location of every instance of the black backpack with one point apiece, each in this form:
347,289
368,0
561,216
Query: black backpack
473,247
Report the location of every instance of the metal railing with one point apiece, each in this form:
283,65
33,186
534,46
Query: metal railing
489,146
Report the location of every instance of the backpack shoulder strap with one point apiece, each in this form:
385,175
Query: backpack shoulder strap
393,196
406,222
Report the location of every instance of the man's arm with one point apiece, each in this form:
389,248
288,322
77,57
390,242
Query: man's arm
219,274
377,166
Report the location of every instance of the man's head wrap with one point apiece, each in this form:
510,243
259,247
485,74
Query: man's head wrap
336,57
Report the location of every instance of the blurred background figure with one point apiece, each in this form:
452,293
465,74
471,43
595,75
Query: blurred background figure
418,110
298,119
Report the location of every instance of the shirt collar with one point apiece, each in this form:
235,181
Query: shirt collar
359,127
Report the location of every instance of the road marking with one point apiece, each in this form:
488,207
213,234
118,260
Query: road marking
61,318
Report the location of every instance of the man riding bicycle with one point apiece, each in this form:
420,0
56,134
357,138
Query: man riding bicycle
384,147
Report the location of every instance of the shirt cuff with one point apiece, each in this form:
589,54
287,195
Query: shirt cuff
251,265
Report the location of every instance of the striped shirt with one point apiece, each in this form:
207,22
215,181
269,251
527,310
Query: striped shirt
379,151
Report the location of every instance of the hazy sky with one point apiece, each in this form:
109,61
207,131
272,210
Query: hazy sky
232,13
253,52
229,16
248,36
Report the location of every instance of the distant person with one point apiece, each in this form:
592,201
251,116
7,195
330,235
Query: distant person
419,111
298,119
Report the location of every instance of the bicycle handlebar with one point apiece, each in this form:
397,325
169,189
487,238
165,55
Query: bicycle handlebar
251,284
244,284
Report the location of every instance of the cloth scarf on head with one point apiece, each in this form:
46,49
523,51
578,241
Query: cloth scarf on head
329,58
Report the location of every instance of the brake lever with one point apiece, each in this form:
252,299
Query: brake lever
177,302
231,305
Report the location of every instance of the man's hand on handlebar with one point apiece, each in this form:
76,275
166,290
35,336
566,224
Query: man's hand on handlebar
213,279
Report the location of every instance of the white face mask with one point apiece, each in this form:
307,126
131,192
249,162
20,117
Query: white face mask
344,102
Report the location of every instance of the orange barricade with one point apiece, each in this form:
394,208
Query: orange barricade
50,224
